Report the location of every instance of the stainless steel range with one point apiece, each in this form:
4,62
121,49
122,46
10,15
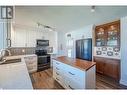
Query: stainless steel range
41,52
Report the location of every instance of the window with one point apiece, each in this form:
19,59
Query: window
70,43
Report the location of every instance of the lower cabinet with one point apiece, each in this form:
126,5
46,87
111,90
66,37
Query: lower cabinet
31,62
99,65
108,67
73,78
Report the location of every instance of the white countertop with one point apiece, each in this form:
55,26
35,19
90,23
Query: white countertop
15,75
19,56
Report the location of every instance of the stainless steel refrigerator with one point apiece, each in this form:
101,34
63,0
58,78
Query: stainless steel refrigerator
84,49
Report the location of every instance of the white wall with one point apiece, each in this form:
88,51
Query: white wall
23,36
123,79
85,32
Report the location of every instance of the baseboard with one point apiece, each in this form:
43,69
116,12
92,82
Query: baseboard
123,82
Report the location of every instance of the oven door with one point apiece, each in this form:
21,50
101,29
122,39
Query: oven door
42,60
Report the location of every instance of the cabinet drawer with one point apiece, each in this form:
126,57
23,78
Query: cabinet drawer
58,78
58,66
73,84
56,72
31,63
30,60
74,73
70,83
55,63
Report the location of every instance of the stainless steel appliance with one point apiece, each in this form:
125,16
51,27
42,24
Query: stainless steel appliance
42,43
84,49
41,52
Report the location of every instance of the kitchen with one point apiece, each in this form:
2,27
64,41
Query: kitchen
79,55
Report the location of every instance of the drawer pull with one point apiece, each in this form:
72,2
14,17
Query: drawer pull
57,73
70,87
57,68
71,73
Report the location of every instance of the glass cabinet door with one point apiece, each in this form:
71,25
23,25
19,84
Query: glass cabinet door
100,37
112,35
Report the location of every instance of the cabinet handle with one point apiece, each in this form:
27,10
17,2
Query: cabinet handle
57,68
71,73
57,73
9,42
70,87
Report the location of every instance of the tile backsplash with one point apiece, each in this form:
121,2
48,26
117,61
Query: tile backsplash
108,52
22,50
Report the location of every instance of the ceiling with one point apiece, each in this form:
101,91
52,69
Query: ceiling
67,18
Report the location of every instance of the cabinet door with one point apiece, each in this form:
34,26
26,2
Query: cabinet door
111,68
31,62
113,34
100,36
99,64
3,35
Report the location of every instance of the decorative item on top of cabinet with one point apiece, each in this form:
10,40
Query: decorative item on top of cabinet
108,34
107,66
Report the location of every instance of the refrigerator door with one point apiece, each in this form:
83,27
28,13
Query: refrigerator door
84,49
79,49
87,49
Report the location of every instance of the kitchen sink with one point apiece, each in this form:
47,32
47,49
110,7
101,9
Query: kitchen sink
9,61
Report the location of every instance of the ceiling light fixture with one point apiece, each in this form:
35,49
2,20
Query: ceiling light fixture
45,26
92,9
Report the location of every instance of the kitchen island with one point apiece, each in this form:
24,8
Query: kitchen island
74,73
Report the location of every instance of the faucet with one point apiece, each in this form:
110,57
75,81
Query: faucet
2,55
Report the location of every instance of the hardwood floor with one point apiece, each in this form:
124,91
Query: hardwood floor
44,80
103,82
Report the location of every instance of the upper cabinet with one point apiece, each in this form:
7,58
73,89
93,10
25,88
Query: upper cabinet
108,34
100,36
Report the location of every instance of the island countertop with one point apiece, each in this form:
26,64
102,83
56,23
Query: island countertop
78,63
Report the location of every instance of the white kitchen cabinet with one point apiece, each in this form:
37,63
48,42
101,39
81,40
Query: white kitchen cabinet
26,36
31,62
3,35
73,78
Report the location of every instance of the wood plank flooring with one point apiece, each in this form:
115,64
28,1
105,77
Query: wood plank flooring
44,80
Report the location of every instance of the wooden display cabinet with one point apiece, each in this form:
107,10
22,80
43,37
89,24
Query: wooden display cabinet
108,34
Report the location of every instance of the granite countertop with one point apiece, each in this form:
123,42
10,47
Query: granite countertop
78,63
15,75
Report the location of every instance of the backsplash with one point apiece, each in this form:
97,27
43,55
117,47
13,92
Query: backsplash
22,50
108,52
